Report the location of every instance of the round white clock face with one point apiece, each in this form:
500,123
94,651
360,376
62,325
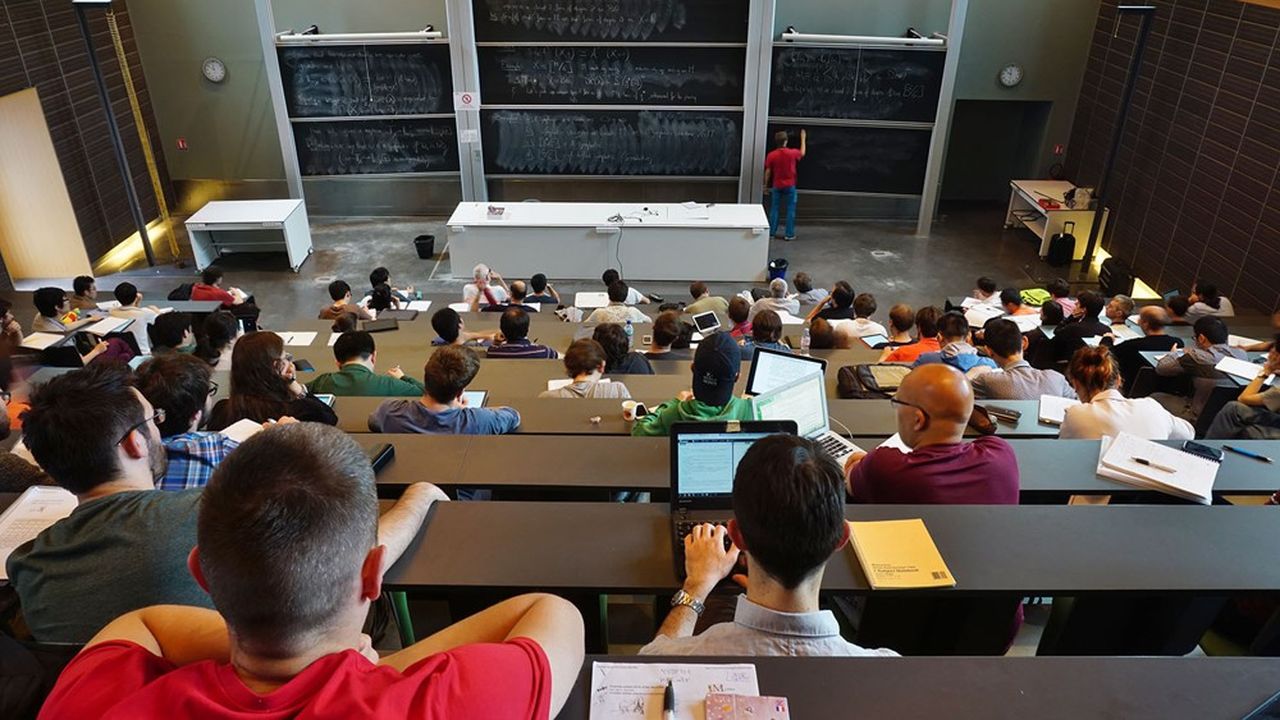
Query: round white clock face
1011,75
214,70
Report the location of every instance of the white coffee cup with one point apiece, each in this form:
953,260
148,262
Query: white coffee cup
629,410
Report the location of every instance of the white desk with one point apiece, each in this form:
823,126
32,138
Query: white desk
288,216
579,240
1047,223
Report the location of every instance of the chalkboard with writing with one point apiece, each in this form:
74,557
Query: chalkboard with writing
636,75
856,83
612,142
862,159
353,80
611,20
366,147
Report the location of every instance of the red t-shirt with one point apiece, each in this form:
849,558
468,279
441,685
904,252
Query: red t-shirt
911,353
120,680
982,472
782,163
200,291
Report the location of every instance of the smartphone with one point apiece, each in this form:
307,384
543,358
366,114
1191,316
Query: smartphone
326,398
380,455
1201,450
1004,413
303,366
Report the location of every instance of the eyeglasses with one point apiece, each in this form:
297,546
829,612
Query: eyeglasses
158,416
213,390
904,403
287,357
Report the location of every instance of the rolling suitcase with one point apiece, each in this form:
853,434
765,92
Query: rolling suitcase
1062,246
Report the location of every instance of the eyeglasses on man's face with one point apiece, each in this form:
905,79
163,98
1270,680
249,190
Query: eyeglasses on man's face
157,415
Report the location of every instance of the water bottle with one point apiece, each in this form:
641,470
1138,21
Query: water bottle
631,333
804,342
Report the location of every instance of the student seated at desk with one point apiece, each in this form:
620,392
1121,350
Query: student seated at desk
864,306
1178,307
450,330
716,366
441,409
382,298
1016,379
542,292
901,320
513,341
926,341
1119,308
788,520
1198,362
292,550
356,355
517,299
1207,301
1011,301
1263,346
620,359
738,312
131,309
1069,336
171,332
985,290
617,311
53,310
704,301
340,292
766,332
806,293
836,306
10,336
821,335
634,296
221,330
125,546
1040,351
1060,290
382,276
182,386
956,351
236,300
84,294
1152,320
265,386
666,331
1255,415
585,363
776,301
486,286
1095,375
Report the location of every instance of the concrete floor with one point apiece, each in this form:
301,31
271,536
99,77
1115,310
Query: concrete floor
883,258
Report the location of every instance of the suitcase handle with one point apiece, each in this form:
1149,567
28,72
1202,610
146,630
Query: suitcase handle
1068,227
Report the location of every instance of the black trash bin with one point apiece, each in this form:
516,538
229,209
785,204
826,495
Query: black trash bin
778,269
426,246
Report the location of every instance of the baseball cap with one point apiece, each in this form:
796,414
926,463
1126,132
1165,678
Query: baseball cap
716,365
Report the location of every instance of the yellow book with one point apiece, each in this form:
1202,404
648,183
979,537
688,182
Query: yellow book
899,555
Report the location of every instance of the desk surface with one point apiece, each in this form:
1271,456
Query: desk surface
1029,550
236,212
636,215
1047,688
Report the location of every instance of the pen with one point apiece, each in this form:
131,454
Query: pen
669,703
1246,453
1148,463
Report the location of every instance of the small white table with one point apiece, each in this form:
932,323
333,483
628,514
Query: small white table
655,241
1024,200
287,216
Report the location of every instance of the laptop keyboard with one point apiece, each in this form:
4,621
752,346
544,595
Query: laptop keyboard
833,445
685,527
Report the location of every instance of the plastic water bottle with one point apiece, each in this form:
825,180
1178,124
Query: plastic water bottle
631,333
804,342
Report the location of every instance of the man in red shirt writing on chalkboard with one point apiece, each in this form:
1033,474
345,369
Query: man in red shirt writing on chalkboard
780,168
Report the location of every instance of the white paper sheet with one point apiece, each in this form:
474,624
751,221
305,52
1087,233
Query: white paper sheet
634,691
333,338
36,509
108,325
419,305
298,339
1053,408
1241,341
242,430
40,340
590,300
109,305
1242,369
1025,323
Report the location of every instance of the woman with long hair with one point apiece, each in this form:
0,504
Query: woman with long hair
264,386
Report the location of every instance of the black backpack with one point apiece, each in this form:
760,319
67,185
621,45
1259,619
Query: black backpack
182,293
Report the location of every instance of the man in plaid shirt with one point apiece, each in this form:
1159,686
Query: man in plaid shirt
181,385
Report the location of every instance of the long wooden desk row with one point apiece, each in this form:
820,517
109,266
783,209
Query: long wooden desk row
1030,550
856,418
573,463
1047,688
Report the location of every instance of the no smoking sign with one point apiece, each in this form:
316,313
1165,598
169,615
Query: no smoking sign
466,101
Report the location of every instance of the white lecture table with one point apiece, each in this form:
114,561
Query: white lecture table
655,241
287,216
1024,201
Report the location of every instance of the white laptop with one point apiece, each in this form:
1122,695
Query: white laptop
804,400
706,323
774,368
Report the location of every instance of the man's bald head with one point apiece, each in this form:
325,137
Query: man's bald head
1153,318
519,291
943,391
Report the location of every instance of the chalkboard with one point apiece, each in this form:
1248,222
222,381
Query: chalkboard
351,80
863,159
611,20
559,75
855,83
612,142
365,147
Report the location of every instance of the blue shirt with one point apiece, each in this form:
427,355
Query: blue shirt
193,457
411,416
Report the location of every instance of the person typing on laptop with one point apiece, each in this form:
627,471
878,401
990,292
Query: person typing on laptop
716,366
788,519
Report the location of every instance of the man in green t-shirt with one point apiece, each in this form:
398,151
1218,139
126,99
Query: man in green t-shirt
715,370
356,355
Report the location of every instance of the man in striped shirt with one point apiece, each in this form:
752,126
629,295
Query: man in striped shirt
514,325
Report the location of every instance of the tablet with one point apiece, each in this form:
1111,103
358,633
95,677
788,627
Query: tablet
874,341
326,398
774,368
475,398
706,322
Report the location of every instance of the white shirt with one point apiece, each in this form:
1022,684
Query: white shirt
1199,310
859,327
790,306
471,292
617,313
634,296
1110,413
141,317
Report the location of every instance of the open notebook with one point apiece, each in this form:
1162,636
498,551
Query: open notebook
1145,464
1053,409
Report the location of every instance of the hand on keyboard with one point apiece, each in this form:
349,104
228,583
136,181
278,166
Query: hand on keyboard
709,557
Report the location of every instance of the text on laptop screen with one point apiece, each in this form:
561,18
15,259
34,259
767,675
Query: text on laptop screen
772,370
802,401
706,462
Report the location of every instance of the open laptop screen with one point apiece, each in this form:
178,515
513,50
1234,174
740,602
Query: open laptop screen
802,400
705,462
774,368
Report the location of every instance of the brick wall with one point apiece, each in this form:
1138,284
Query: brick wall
41,46
1194,192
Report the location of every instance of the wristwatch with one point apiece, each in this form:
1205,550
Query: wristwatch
683,598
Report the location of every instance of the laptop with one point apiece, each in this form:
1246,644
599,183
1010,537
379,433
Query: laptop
772,369
379,325
804,401
406,315
704,458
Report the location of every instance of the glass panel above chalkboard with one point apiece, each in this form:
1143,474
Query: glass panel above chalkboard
361,80
685,21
